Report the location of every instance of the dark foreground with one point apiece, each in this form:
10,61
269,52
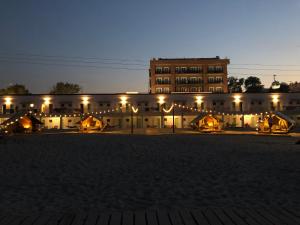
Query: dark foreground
208,216
79,173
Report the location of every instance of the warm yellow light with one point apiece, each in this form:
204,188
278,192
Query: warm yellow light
161,100
199,99
31,105
237,98
85,100
7,101
275,98
47,100
123,100
135,110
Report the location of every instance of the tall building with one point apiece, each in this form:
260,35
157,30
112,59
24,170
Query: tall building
188,75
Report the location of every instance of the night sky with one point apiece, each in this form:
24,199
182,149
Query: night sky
105,46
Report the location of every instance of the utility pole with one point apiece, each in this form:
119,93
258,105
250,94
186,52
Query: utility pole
131,120
173,114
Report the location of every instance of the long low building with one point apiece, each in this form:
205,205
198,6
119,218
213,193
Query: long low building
122,110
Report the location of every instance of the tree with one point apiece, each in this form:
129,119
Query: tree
253,85
65,88
15,89
280,88
235,84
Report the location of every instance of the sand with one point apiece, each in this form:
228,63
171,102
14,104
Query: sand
77,173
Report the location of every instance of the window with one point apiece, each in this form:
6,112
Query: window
166,70
195,69
158,70
211,79
166,90
194,89
211,89
219,79
158,90
69,121
183,69
219,69
50,121
215,69
219,89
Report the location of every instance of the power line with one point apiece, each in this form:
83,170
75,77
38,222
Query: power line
72,57
71,61
32,55
259,64
74,65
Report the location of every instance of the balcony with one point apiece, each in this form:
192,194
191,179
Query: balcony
215,71
215,81
189,82
162,82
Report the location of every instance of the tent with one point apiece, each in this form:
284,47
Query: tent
22,124
276,123
207,123
90,123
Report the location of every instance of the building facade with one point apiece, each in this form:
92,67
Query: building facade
188,75
150,110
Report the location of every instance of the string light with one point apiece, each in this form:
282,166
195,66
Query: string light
168,110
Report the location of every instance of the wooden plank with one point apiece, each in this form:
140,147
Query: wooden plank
151,218
140,217
67,219
54,220
281,216
293,212
41,220
104,219
199,217
29,220
8,219
115,219
79,219
257,217
17,220
222,216
212,218
127,218
269,217
175,218
248,219
163,217
187,217
91,219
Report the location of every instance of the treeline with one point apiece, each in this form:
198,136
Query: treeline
58,88
253,84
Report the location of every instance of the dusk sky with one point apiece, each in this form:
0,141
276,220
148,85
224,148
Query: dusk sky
105,46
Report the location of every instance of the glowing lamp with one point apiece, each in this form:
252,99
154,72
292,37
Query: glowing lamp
85,100
47,100
161,100
275,98
237,99
31,105
199,99
7,101
123,100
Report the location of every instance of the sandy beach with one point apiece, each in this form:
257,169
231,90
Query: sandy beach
77,172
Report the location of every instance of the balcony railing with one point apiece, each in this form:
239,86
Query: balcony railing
189,82
162,82
215,81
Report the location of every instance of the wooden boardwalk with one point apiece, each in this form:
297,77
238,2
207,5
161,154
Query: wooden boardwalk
205,216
